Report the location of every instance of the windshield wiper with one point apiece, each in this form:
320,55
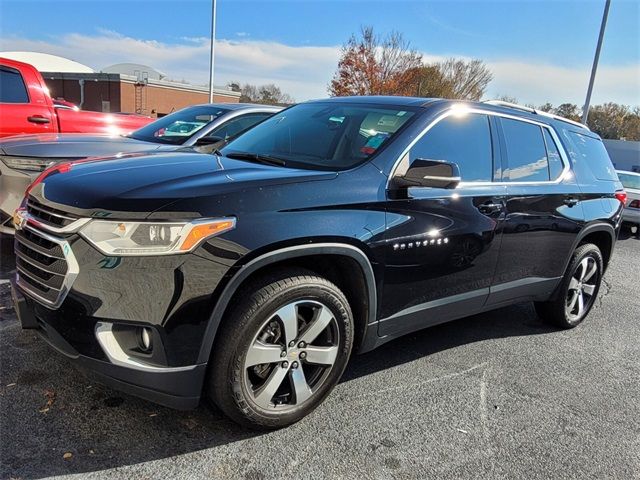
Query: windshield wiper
257,157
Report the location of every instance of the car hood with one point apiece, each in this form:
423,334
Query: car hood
73,146
136,183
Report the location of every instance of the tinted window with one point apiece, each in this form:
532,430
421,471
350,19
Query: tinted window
323,135
464,140
526,152
178,127
238,125
592,151
553,155
12,89
629,181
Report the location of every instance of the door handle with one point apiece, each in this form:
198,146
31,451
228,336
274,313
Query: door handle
570,202
38,119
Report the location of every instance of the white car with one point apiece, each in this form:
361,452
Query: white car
631,183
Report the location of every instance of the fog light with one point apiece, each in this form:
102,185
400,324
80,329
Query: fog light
144,339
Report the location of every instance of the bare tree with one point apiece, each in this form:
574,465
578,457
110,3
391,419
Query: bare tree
468,80
269,94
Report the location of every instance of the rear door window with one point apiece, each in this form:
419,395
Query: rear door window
526,152
464,140
12,88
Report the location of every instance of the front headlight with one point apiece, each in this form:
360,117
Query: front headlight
36,164
152,238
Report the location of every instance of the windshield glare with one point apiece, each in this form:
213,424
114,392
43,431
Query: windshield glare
323,136
629,181
176,128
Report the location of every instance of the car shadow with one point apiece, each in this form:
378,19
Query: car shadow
49,410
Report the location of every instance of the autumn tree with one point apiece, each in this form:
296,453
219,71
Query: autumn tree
568,110
372,65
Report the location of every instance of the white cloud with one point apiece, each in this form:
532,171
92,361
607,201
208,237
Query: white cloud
305,71
537,83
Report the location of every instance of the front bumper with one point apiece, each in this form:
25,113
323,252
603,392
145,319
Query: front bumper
178,388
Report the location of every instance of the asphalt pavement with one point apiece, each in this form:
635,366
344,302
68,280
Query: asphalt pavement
497,395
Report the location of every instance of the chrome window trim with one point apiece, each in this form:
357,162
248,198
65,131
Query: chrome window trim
465,110
73,269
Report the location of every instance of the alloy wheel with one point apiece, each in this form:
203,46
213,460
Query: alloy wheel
582,287
292,355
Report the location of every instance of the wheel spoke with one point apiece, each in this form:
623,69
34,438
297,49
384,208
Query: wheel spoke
591,271
300,385
262,353
583,268
573,284
580,303
289,317
588,289
318,324
572,302
264,395
321,355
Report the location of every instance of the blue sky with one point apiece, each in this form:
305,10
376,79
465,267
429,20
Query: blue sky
538,50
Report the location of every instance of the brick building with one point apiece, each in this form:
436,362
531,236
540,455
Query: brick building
125,87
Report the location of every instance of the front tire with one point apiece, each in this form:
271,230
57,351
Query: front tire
281,351
578,290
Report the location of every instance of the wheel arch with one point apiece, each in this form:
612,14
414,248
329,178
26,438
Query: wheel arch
365,314
603,235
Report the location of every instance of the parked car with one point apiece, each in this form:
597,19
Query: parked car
23,158
251,274
631,183
26,107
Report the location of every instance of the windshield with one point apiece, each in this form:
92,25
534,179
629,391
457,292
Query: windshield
629,181
323,136
179,126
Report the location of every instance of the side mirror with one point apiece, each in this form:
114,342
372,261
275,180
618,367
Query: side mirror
428,173
209,140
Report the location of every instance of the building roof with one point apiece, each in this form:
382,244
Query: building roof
48,63
135,70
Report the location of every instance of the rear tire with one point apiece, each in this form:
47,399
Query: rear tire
575,296
281,350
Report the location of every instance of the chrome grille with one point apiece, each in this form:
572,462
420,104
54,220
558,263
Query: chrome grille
47,215
46,266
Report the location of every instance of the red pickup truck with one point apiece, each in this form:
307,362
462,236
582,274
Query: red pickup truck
27,107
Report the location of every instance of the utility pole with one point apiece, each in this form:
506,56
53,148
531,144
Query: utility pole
585,110
213,49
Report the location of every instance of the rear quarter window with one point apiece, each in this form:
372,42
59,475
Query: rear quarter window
592,152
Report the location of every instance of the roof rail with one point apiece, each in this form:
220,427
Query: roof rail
501,103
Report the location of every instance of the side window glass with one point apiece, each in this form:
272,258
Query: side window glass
238,125
553,155
12,89
464,140
526,152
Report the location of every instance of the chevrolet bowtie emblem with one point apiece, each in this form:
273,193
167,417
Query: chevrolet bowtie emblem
19,218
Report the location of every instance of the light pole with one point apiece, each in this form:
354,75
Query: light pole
585,110
213,49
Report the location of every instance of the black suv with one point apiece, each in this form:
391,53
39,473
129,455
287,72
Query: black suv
252,273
